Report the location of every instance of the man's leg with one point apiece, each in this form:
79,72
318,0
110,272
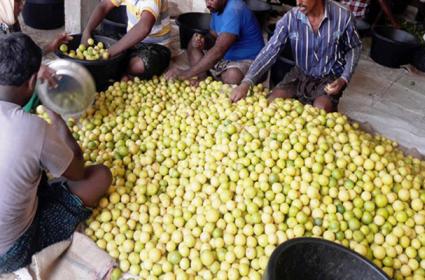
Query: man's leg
232,76
324,102
148,60
93,187
284,92
136,67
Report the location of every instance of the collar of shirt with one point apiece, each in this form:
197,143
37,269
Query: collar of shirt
304,19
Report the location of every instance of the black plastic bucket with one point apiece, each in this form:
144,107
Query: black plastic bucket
392,47
419,59
190,23
260,9
115,21
104,72
319,259
44,14
284,63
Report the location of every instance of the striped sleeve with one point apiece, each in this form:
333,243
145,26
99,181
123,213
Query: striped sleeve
353,44
268,55
151,6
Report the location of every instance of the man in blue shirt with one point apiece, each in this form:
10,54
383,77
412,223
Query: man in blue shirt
238,41
326,47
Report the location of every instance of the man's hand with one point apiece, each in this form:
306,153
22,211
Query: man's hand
62,38
47,74
85,37
335,87
173,73
240,92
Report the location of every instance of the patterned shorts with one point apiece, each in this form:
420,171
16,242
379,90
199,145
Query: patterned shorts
307,88
58,214
223,65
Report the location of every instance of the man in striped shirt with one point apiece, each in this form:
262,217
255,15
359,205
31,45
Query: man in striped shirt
326,47
148,34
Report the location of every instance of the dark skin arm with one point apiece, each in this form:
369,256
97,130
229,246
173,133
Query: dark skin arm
135,35
99,13
387,10
217,52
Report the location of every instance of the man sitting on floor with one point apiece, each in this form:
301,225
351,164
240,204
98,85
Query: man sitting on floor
238,41
326,47
147,37
35,213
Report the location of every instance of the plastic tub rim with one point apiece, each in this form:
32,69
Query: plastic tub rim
388,40
289,243
198,30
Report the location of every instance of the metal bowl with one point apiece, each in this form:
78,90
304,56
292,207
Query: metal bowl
75,90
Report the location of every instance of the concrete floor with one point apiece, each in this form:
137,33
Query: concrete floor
389,101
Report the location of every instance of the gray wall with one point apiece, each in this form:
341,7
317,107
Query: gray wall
77,13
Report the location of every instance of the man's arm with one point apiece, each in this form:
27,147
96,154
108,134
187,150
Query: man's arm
387,10
268,55
135,35
99,13
265,59
352,41
217,52
75,170
353,45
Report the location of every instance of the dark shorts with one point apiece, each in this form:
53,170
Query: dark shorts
307,88
58,214
156,58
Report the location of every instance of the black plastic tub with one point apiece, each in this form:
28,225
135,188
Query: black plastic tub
44,14
419,59
392,47
104,72
284,63
260,9
190,23
319,259
115,21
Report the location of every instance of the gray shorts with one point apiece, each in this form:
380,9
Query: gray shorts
224,65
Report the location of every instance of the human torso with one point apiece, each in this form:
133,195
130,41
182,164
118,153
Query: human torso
250,40
160,32
321,51
21,141
28,146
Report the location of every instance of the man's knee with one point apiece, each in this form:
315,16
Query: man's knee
324,102
105,175
281,93
94,186
136,66
232,76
